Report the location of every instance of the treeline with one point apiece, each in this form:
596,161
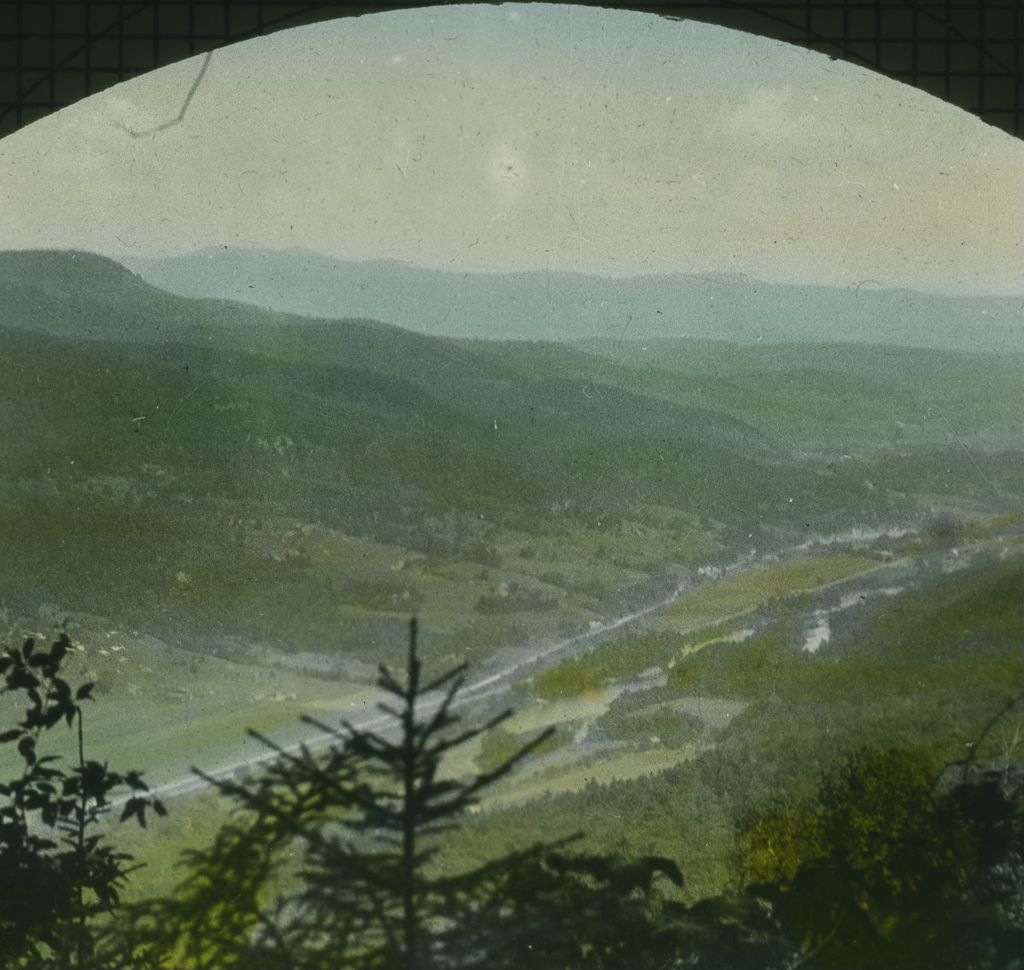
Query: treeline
337,857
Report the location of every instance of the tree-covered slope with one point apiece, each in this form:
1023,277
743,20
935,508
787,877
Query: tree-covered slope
148,437
574,306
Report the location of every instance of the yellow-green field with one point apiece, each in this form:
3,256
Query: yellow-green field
162,709
203,719
734,595
575,776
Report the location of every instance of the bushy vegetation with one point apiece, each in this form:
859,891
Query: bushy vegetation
60,875
354,854
567,680
500,744
882,867
366,819
270,488
515,599
963,632
637,717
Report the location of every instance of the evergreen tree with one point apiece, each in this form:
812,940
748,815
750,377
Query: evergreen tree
363,815
334,858
377,871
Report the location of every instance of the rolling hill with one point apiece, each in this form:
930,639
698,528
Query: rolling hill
568,306
203,460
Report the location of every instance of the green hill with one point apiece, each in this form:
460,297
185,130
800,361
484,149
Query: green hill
148,437
572,306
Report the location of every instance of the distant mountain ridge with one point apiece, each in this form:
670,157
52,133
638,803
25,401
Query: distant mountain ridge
350,421
565,306
138,426
85,298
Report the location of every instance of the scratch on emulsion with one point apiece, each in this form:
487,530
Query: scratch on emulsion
180,117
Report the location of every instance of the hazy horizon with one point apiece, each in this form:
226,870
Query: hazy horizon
130,261
669,148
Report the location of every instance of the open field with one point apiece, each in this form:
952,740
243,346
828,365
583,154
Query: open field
575,778
714,570
731,597
642,728
926,666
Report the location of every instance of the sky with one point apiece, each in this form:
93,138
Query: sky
531,137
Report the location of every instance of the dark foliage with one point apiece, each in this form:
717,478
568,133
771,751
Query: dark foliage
364,820
335,857
58,875
547,907
989,923
892,866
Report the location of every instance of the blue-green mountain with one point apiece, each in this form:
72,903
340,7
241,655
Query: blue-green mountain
570,306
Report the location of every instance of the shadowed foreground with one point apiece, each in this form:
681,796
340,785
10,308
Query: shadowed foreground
337,858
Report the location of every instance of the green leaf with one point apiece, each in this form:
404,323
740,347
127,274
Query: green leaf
136,807
11,735
27,749
53,715
59,650
84,692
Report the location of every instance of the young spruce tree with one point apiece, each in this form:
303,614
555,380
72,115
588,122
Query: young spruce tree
363,816
380,868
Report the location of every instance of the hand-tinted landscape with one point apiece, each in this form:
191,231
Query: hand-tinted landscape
745,560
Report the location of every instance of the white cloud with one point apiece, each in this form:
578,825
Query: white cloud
768,114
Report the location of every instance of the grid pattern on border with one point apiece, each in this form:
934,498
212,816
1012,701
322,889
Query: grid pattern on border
53,53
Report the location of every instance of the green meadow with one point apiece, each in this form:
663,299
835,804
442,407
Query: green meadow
757,559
